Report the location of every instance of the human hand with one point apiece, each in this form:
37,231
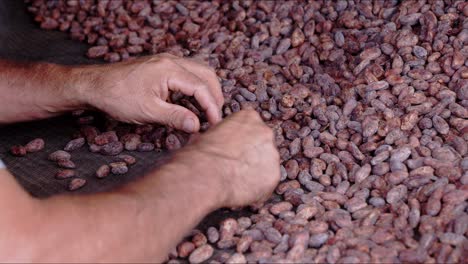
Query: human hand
240,156
136,91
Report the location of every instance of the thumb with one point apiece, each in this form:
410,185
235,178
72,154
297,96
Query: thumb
177,117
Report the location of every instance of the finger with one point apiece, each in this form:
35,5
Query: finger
189,84
178,117
206,74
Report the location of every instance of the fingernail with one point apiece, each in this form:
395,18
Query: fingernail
189,125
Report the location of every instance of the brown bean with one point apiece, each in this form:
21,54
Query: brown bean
228,228
103,171
64,174
67,164
76,183
244,243
173,142
213,234
74,144
199,239
201,254
112,149
106,138
18,151
280,207
185,248
98,51
236,258
59,155
130,160
118,167
397,194
145,147
35,145
131,141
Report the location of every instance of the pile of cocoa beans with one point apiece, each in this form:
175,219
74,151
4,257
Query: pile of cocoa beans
368,100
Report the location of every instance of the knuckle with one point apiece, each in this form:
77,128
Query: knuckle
211,73
251,116
203,90
251,113
167,61
203,86
200,62
200,84
167,55
243,115
256,117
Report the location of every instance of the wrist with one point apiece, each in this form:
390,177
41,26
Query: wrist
81,86
200,175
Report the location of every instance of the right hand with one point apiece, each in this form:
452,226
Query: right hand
241,153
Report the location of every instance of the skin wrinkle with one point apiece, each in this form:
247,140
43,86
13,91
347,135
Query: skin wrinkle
92,78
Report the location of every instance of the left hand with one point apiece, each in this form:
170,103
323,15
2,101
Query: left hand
137,91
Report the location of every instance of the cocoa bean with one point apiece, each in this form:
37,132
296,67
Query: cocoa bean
59,155
35,145
106,138
103,171
67,164
201,254
64,174
112,149
118,167
74,144
18,151
130,160
213,234
76,184
185,248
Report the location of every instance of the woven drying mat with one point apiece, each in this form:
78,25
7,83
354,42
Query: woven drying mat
21,39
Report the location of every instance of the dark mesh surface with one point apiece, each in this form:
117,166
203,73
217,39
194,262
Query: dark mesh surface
36,173
22,39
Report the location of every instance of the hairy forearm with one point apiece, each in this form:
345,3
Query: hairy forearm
140,222
31,91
